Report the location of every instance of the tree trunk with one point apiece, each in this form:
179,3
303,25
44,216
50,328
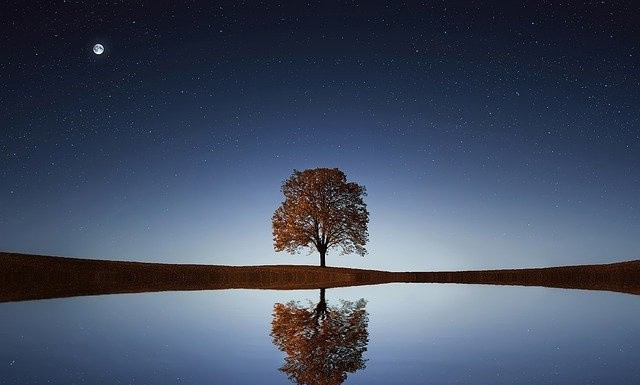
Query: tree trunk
321,307
320,312
323,253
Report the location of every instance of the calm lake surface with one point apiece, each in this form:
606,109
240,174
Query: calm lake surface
403,334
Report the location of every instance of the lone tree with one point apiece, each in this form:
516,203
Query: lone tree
321,210
322,344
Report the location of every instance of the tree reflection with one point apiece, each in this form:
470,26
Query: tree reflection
322,343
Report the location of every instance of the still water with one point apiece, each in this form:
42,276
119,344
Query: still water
387,334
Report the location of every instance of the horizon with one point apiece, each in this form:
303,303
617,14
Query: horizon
312,265
49,277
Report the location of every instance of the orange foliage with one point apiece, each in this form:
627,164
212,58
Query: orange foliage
321,210
322,345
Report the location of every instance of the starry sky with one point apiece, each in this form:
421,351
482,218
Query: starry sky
488,135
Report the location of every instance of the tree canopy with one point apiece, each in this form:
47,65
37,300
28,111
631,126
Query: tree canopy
322,344
321,210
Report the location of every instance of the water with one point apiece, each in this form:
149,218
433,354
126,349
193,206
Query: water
403,334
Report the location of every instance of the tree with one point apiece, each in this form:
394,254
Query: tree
321,210
322,344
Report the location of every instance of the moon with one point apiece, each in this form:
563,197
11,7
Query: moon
98,49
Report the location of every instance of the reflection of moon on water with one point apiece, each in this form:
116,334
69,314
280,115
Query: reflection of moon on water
98,49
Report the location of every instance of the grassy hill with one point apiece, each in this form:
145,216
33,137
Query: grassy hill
28,277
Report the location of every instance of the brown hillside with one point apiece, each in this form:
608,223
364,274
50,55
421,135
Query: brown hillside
27,277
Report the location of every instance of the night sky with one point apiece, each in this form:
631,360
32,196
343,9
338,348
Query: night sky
488,134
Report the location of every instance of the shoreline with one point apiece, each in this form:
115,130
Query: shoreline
29,277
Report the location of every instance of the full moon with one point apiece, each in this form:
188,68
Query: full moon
98,49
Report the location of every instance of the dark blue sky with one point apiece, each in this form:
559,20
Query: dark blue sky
492,135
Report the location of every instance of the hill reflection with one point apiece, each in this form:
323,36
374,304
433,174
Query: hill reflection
322,343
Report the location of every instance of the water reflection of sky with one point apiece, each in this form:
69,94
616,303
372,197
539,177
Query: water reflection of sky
417,334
